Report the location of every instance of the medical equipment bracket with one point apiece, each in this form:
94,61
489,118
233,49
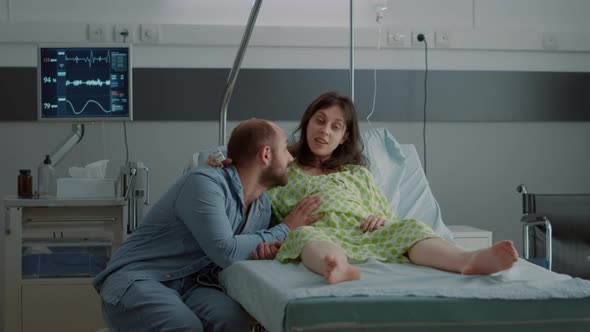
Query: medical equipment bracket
68,144
135,190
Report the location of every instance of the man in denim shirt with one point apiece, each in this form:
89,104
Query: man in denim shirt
163,277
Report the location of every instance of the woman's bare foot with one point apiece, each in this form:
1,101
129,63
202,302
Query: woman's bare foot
499,257
338,272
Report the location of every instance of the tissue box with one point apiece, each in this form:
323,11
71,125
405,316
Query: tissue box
86,188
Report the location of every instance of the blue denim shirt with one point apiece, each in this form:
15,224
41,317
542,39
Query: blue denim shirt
198,221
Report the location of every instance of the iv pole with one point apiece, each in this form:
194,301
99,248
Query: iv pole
233,74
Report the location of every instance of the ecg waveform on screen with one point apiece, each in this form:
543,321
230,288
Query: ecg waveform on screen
89,59
97,82
85,105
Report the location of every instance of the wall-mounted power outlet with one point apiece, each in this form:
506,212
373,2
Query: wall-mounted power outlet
123,33
149,33
550,42
97,32
398,39
442,39
428,35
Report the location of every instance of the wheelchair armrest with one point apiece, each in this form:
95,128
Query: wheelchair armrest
532,218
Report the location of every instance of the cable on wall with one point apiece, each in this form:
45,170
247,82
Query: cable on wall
423,39
380,8
374,98
103,141
126,144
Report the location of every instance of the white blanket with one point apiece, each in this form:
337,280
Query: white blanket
265,287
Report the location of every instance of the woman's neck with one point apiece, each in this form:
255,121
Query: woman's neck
311,170
318,161
316,168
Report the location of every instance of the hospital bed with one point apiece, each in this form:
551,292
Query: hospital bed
404,297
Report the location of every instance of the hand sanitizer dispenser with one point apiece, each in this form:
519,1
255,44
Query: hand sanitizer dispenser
46,183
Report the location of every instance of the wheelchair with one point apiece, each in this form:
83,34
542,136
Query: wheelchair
556,231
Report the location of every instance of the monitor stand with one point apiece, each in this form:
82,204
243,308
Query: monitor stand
68,144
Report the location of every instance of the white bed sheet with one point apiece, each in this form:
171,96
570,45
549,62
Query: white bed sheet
265,287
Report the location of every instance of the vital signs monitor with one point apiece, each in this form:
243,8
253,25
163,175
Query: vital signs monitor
85,83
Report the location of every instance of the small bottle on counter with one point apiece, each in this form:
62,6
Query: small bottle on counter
46,181
25,184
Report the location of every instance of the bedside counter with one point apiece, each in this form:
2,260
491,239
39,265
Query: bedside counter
470,237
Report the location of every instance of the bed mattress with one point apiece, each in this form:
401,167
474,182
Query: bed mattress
288,297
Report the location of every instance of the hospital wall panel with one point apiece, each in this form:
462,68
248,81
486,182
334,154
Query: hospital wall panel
430,14
477,14
230,12
175,94
18,92
474,168
319,38
3,10
18,55
543,15
305,57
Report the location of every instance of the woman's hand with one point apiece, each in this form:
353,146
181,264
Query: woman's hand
266,250
373,223
211,161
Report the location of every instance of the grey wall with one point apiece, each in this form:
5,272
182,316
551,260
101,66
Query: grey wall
175,94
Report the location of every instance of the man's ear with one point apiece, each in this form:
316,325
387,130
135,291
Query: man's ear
264,155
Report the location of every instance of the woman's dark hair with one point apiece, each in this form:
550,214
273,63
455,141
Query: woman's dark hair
347,153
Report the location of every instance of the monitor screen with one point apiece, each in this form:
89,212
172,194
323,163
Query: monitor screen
79,84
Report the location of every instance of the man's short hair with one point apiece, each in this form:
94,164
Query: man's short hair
247,138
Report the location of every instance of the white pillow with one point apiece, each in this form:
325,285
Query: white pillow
386,161
200,158
398,172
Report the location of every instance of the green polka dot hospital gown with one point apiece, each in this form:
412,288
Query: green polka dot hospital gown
348,198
